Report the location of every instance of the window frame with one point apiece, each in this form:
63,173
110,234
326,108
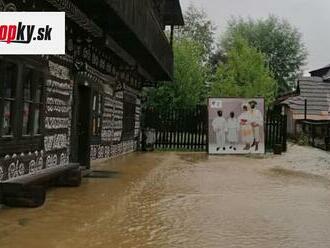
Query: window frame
33,102
12,100
97,114
17,142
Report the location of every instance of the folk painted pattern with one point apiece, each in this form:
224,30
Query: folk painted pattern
12,166
100,152
118,116
2,173
108,151
128,146
58,116
108,119
57,105
59,88
56,142
56,159
59,71
137,118
56,123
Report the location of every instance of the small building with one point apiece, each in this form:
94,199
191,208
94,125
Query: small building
323,72
85,105
308,108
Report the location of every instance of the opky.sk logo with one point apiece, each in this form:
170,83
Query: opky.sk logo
21,33
32,33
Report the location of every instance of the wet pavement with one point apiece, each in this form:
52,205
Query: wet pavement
180,200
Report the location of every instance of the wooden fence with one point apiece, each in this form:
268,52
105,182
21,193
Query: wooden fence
318,133
183,129
179,129
275,131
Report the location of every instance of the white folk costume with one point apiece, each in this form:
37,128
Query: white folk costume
257,119
245,127
233,128
219,125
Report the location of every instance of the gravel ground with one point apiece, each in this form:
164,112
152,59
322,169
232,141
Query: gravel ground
304,159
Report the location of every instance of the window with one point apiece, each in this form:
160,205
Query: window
129,117
97,114
32,101
8,86
21,100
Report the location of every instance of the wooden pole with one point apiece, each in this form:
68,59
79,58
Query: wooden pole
285,137
172,35
305,109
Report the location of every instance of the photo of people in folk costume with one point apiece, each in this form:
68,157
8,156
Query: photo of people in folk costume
236,126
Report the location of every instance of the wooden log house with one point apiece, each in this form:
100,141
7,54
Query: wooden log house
308,108
61,112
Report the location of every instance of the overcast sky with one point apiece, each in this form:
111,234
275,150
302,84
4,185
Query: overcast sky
311,17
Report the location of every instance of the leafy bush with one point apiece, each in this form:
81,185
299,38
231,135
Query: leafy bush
302,139
245,74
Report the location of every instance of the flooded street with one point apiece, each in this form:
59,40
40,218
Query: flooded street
180,200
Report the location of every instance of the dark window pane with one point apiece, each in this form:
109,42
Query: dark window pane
9,80
26,118
38,95
41,82
100,105
8,118
99,125
94,126
94,103
36,121
96,114
27,83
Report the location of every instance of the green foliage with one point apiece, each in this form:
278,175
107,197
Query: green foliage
199,28
192,47
245,74
255,58
190,75
280,42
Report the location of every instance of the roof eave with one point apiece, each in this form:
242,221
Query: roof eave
173,15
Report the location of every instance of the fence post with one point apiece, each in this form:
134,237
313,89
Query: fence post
206,127
327,138
266,129
284,133
305,110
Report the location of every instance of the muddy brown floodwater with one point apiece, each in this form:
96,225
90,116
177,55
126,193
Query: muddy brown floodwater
179,200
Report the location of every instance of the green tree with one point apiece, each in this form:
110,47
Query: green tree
199,28
280,42
190,75
245,74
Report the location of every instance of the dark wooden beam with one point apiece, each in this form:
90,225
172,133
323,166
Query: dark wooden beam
132,25
30,190
171,37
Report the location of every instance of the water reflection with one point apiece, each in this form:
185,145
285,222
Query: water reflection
179,200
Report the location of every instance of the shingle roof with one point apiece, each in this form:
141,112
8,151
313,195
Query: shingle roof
317,93
326,77
324,67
